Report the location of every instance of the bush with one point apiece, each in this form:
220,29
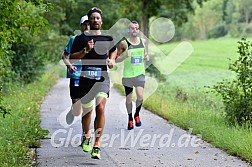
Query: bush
26,64
248,30
218,31
237,94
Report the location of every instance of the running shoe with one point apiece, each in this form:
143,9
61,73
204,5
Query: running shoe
138,122
95,154
86,144
130,125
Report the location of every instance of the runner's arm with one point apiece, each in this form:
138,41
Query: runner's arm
65,55
146,55
65,58
111,59
84,51
120,56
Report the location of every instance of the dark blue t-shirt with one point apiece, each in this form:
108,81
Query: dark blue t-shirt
95,60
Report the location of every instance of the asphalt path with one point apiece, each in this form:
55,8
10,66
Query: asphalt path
156,143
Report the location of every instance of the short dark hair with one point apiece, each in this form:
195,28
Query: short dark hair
93,10
134,22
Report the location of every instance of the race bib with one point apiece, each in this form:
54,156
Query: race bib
136,60
92,72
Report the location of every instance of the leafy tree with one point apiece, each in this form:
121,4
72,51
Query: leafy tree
20,20
26,63
176,10
208,17
228,8
237,16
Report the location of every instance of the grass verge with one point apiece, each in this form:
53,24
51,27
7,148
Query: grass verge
202,114
20,130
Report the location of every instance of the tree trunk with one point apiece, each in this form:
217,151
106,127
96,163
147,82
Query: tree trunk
145,24
145,19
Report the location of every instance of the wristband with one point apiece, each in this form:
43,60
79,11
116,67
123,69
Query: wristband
85,50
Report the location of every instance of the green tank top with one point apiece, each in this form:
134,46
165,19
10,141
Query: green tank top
134,65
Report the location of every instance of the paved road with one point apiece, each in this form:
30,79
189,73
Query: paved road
156,143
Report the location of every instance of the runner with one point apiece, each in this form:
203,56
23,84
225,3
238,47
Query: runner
132,51
97,51
73,72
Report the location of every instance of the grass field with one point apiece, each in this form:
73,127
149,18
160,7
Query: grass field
184,101
207,64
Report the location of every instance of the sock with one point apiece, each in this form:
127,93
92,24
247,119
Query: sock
138,107
129,110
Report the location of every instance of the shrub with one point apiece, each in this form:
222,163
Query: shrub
237,94
218,31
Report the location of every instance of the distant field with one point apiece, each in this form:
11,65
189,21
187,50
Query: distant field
207,64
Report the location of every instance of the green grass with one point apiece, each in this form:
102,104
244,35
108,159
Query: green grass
208,63
20,130
183,100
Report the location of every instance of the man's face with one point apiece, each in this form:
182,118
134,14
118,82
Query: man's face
85,26
133,29
95,21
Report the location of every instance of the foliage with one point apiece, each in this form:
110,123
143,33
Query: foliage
20,22
237,94
27,63
21,130
207,17
3,108
237,15
217,31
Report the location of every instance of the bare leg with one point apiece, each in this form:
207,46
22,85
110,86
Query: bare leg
86,120
77,108
129,98
139,93
99,121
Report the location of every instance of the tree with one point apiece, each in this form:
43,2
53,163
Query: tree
237,15
19,21
208,17
176,10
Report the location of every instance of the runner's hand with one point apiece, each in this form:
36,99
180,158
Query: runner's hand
72,68
110,63
90,45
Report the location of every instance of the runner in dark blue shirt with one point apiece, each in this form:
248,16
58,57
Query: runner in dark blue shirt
97,52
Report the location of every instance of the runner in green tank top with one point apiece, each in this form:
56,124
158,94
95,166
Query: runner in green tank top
133,53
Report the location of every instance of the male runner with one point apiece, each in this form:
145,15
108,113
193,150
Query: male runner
73,72
132,51
97,51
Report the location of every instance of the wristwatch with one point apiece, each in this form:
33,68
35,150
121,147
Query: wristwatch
85,50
